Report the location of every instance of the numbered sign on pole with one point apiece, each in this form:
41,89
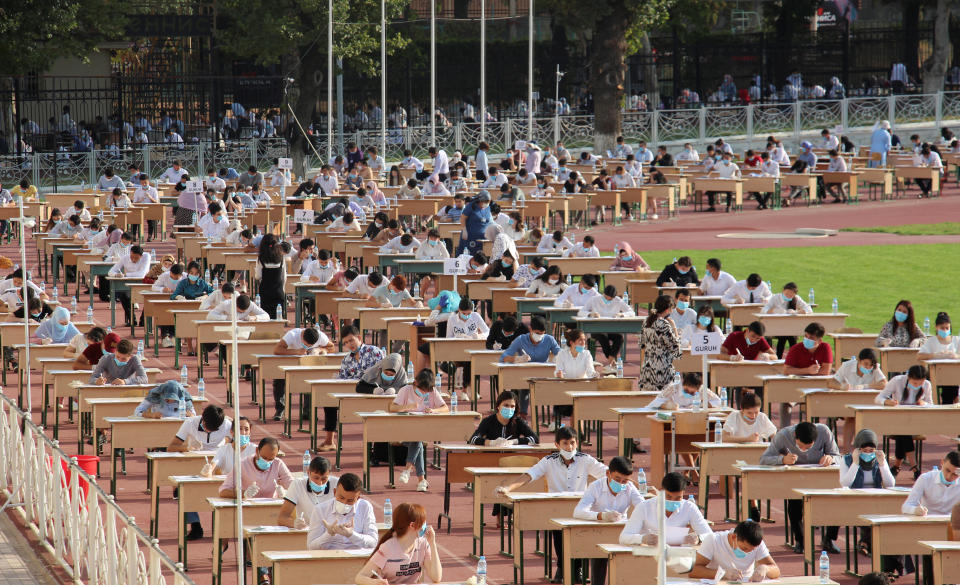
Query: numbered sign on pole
195,186
303,216
455,266
520,145
706,344
284,163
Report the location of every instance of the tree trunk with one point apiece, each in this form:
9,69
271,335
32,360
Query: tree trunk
650,80
935,66
607,76
310,82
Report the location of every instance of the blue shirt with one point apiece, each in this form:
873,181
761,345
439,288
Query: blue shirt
477,221
880,141
231,174
191,290
809,158
540,352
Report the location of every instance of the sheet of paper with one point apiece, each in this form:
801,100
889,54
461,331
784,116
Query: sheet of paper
676,534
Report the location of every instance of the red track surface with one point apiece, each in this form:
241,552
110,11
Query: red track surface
691,230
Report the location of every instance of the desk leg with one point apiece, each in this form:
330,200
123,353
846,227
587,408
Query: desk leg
113,306
113,468
217,555
446,497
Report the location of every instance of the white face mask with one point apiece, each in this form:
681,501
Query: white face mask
536,337
567,454
341,508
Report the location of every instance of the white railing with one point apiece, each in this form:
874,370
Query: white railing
91,538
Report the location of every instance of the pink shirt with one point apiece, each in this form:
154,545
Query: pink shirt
267,480
397,566
408,394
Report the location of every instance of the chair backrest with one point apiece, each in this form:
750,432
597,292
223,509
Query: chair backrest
518,461
689,423
615,383
849,330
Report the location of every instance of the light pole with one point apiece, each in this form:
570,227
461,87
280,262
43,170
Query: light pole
483,70
329,84
556,107
433,72
530,75
383,79
25,222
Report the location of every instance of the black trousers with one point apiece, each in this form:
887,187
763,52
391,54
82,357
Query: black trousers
948,394
610,343
924,185
784,343
795,513
330,414
902,444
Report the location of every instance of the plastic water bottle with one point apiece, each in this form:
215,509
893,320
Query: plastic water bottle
482,571
73,305
824,567
569,280
201,388
723,395
926,325
619,367
388,513
409,371
90,314
100,215
206,275
184,376
140,350
306,460
693,501
55,296
279,310
728,326
718,433
453,401
194,219
437,382
257,300
626,298
215,284
642,481
182,409
109,330
416,289
810,296
836,306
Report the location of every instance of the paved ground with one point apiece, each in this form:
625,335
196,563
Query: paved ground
19,564
692,230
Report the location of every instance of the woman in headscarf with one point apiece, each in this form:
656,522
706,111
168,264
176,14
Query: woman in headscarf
188,203
501,242
881,141
164,401
374,192
384,378
628,260
166,263
58,328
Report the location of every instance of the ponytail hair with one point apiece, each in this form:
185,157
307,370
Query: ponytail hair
663,303
404,515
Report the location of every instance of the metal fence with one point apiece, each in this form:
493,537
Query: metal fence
90,537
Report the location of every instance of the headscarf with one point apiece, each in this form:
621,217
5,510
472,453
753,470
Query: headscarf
393,361
446,301
169,390
865,437
59,333
110,342
504,243
633,263
373,190
157,269
192,201
115,236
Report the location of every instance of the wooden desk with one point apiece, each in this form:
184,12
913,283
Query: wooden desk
718,460
661,443
255,511
516,376
272,538
316,566
533,511
549,391
946,560
580,266
912,172
138,433
485,481
827,403
161,466
598,406
897,359
744,373
847,345
776,482
793,325
626,565
716,184
788,389
295,381
193,491
901,534
943,372
580,540
908,420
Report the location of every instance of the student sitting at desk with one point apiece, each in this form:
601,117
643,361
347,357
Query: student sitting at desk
574,361
549,283
223,458
703,325
803,444
914,389
385,377
345,223
261,475
501,269
740,553
364,284
607,306
748,344
504,427
57,329
749,424
525,274
297,341
99,344
902,329
576,296
164,401
812,357
752,290
217,297
341,520
392,294
859,373
567,470
627,259
680,273
788,302
124,368
865,467
585,249
685,523
247,310
197,433
422,397
320,270
405,244
433,248
557,243
686,396
306,494
935,492
389,231
407,553
943,345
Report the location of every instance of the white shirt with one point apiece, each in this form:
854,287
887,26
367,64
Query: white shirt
933,345
623,181
689,155
165,281
837,164
360,285
644,521
830,142
146,194
191,428
324,274
849,373
474,325
441,163
294,339
394,245
676,394
83,213
131,269
778,306
598,304
224,456
172,175
576,297
932,160
738,426
548,244
644,155
361,516
222,313
305,500
431,250
216,230
598,498
716,547
683,320
579,366
726,170
494,181
412,162
328,184
770,168
717,286
848,474
739,293
581,251
567,478
480,160
928,491
895,387
215,183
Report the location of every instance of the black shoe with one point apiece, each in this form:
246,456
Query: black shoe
278,416
830,546
711,208
196,531
754,513
176,493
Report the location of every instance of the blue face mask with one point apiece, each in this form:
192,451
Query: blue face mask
244,441
785,298
193,277
868,457
507,263
615,486
943,332
912,387
507,412
704,320
318,487
747,339
261,463
944,481
423,530
387,378
865,371
577,349
671,505
464,317
739,553
682,305
683,271
626,258
809,343
900,316
119,363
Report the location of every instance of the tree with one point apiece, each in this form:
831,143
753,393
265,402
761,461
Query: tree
935,67
294,34
616,29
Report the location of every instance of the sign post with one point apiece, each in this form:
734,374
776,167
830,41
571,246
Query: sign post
704,344
455,266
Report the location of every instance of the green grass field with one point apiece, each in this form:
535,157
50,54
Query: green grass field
913,229
866,280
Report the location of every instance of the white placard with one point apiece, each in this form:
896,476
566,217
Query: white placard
303,216
520,145
706,344
455,265
285,163
195,186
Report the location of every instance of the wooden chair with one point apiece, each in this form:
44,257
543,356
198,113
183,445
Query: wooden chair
507,509
686,423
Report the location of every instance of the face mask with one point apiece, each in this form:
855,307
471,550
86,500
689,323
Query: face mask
119,363
615,486
739,553
705,321
683,271
507,263
809,343
262,464
388,378
507,412
747,419
318,487
607,301
423,530
217,218
244,440
671,505
536,337
193,277
900,316
695,396
59,327
943,332
510,222
802,450
378,224
747,339
464,317
785,298
868,457
626,258
554,280
944,481
912,387
578,349
682,305
433,242
56,222
865,371
583,291
567,454
344,509
166,269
